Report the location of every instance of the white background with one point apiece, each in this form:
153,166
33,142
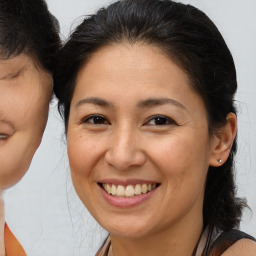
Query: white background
43,209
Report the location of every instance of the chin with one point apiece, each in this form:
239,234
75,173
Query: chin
14,175
128,230
8,182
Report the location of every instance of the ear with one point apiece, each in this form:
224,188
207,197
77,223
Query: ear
222,141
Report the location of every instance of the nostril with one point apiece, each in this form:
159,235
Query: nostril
124,159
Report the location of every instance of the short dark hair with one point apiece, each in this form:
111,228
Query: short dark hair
26,26
194,43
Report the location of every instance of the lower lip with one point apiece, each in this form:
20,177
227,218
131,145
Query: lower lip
126,202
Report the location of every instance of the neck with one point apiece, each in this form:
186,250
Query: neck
2,223
180,239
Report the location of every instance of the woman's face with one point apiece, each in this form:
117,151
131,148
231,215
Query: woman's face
24,99
138,142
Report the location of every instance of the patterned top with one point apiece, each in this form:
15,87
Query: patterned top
12,245
218,244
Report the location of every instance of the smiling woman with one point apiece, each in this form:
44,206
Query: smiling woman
146,88
29,42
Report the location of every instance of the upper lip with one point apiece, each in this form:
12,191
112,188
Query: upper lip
127,181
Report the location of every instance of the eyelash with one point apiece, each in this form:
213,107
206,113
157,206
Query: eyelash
3,137
99,117
12,75
168,121
157,118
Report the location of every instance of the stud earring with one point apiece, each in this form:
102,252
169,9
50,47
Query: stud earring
220,161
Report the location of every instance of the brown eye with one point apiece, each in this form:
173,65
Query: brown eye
97,119
160,120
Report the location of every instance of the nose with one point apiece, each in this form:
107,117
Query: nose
125,150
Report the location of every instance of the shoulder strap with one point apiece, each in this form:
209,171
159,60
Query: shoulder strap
12,245
104,249
227,239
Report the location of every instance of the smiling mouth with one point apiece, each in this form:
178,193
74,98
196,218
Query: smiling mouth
129,190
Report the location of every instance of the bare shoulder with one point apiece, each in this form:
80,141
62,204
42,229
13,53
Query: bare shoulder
243,247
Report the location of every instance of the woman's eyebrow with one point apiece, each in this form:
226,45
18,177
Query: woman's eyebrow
95,101
151,102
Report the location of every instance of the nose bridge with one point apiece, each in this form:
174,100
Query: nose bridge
125,150
124,139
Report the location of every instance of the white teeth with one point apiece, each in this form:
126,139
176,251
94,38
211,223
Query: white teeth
108,188
120,190
137,189
113,190
144,188
129,190
3,136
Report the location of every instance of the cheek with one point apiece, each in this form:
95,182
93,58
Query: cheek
82,154
82,158
182,159
35,112
28,110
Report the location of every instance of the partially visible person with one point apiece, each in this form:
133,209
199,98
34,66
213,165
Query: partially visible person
29,42
146,89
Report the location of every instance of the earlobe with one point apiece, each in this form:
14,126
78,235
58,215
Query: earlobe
223,141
